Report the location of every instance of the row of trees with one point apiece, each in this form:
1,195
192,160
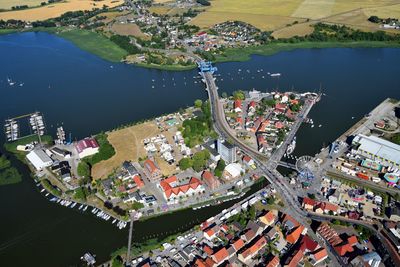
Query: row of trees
198,162
125,43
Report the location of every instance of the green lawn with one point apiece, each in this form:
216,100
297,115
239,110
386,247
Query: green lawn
12,146
94,43
243,54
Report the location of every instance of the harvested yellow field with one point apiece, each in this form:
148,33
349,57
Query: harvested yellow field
161,1
276,14
128,145
263,22
129,29
301,29
314,9
110,16
56,10
160,10
7,4
392,11
356,19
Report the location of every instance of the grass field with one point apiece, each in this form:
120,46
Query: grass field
57,9
7,4
276,15
94,43
128,145
243,54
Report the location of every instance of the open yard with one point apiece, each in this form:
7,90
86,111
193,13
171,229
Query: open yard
129,29
55,10
278,14
128,145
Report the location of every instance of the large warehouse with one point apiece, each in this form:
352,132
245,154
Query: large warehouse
378,149
39,159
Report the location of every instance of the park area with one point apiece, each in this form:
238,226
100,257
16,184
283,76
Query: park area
293,17
52,10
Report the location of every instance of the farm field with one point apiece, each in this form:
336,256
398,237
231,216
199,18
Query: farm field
56,10
128,29
128,145
7,4
277,15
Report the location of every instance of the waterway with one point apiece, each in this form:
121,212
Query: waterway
87,94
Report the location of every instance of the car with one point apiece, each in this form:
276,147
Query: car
263,201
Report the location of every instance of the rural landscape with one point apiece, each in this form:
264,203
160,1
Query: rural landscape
200,133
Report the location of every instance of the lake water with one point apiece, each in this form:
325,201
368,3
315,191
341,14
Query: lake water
87,95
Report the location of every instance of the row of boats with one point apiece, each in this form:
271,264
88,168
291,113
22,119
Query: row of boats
101,214
11,128
37,124
82,207
12,83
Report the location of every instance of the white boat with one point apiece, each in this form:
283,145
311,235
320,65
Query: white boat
41,191
47,194
291,147
85,208
73,205
114,221
275,74
80,207
319,126
59,200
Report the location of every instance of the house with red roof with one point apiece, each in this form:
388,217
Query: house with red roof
211,233
274,262
290,115
87,147
308,203
326,207
295,259
237,106
138,181
249,162
294,235
319,256
220,256
251,108
208,262
268,218
279,125
280,108
238,244
209,251
253,250
151,169
210,180
173,190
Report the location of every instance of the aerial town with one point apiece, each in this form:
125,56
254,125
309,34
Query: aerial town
222,180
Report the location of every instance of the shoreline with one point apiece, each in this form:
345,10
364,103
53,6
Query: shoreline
101,44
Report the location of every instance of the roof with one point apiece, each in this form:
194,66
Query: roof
238,244
309,201
343,249
352,240
290,221
295,259
220,255
39,158
208,250
150,166
169,189
138,181
320,254
294,235
238,104
234,169
247,159
85,144
308,244
379,147
208,176
274,262
269,217
259,244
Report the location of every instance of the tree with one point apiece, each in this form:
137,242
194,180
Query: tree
198,103
220,168
185,163
137,205
81,193
239,95
83,169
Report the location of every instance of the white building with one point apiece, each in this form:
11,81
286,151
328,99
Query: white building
232,171
39,159
377,149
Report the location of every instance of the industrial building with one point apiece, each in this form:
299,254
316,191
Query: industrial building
377,149
39,159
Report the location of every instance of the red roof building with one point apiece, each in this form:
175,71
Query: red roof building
253,250
294,236
237,105
308,203
138,181
172,190
280,108
238,244
220,256
152,169
210,180
87,147
294,261
274,262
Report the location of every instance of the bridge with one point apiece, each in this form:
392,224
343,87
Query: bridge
287,165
